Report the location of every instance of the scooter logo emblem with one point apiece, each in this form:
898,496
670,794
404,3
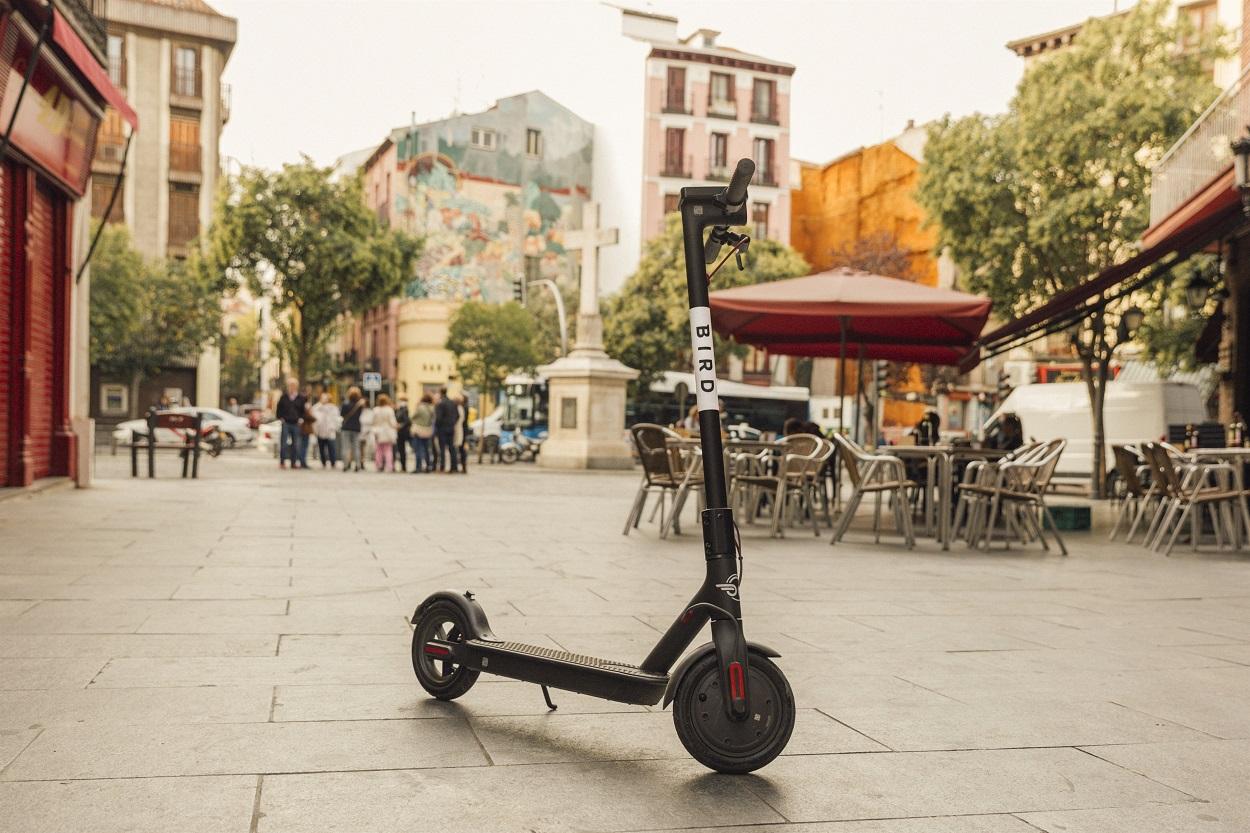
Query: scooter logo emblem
730,587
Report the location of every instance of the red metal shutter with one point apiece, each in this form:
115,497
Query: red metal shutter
42,338
7,359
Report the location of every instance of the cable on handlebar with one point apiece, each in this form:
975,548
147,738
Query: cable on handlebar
737,247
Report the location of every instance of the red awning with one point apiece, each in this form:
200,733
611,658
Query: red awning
65,37
880,317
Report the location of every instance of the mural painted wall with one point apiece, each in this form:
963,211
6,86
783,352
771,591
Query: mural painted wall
492,193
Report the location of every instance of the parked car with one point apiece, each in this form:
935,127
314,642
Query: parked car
1132,412
234,429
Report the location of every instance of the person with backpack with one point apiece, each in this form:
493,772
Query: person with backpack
350,433
422,433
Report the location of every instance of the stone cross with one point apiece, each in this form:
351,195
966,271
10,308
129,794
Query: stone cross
588,240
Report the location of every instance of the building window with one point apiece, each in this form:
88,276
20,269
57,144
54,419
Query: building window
533,142
114,400
759,220
1202,19
117,59
675,152
718,156
482,138
102,186
720,100
184,143
764,101
111,138
186,74
184,213
675,91
762,154
671,203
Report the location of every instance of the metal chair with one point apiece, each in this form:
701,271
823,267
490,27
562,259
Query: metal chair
1133,501
878,475
1019,497
788,481
658,476
1187,495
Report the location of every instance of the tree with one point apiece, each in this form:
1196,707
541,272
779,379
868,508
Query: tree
490,341
647,323
1040,199
146,314
308,243
240,361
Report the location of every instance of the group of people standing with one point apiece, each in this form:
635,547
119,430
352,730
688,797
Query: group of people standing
436,430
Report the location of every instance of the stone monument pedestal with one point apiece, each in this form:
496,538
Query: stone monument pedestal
586,412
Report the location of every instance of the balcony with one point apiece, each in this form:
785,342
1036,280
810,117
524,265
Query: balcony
675,102
765,117
765,176
226,98
87,17
1202,153
719,172
718,109
677,166
185,82
110,149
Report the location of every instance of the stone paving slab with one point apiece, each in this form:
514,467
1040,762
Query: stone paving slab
249,670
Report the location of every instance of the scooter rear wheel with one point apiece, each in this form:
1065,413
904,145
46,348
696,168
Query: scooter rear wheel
442,678
723,744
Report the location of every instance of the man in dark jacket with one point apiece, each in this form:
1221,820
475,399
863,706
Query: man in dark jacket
290,411
446,415
404,433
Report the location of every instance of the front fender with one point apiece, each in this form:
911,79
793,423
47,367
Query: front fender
473,613
674,678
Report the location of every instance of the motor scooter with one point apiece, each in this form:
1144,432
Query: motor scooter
732,706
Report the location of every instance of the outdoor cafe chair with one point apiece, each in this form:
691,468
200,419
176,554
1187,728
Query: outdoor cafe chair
1135,495
972,503
783,487
1018,496
877,475
817,481
687,468
1216,488
658,475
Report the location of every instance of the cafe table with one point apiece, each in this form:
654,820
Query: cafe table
940,463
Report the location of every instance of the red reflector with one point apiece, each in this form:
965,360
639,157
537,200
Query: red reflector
436,650
737,687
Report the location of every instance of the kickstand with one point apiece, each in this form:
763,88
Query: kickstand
547,697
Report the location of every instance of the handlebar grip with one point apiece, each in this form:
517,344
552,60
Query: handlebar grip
736,193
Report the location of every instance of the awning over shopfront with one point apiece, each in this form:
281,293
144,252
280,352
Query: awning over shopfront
852,314
1076,304
67,39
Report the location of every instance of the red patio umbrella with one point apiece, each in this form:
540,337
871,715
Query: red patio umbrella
876,317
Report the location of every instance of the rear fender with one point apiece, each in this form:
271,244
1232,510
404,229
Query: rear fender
674,678
474,616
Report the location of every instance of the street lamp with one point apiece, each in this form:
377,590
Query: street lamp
1241,169
1197,291
1130,320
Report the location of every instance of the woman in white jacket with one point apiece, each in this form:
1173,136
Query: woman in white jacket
385,430
327,421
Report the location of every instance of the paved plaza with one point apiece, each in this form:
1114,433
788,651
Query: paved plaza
231,654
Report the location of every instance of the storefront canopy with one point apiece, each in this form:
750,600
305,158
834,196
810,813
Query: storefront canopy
848,313
67,39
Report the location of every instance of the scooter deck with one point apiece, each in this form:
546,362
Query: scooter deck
612,680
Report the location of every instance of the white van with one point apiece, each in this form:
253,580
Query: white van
1132,412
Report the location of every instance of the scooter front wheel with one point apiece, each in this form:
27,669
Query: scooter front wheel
721,743
442,678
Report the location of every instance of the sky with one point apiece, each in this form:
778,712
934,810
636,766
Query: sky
324,77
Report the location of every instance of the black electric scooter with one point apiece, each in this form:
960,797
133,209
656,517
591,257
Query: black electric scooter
732,706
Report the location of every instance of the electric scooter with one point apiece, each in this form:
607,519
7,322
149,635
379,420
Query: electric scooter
732,706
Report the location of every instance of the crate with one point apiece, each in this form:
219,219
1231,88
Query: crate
1071,518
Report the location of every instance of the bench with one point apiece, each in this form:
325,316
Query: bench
188,427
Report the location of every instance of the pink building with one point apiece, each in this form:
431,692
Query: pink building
706,107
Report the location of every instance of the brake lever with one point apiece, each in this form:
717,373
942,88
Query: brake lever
740,244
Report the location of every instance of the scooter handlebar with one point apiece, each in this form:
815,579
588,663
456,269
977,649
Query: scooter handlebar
736,193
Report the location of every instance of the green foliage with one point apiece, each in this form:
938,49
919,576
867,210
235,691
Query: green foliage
147,314
1170,330
490,341
1040,199
309,244
647,323
240,362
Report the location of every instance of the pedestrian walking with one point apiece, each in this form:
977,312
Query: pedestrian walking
385,430
422,434
446,415
402,436
350,429
290,411
326,427
306,430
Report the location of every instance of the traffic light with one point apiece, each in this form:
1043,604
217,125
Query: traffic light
883,377
518,290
